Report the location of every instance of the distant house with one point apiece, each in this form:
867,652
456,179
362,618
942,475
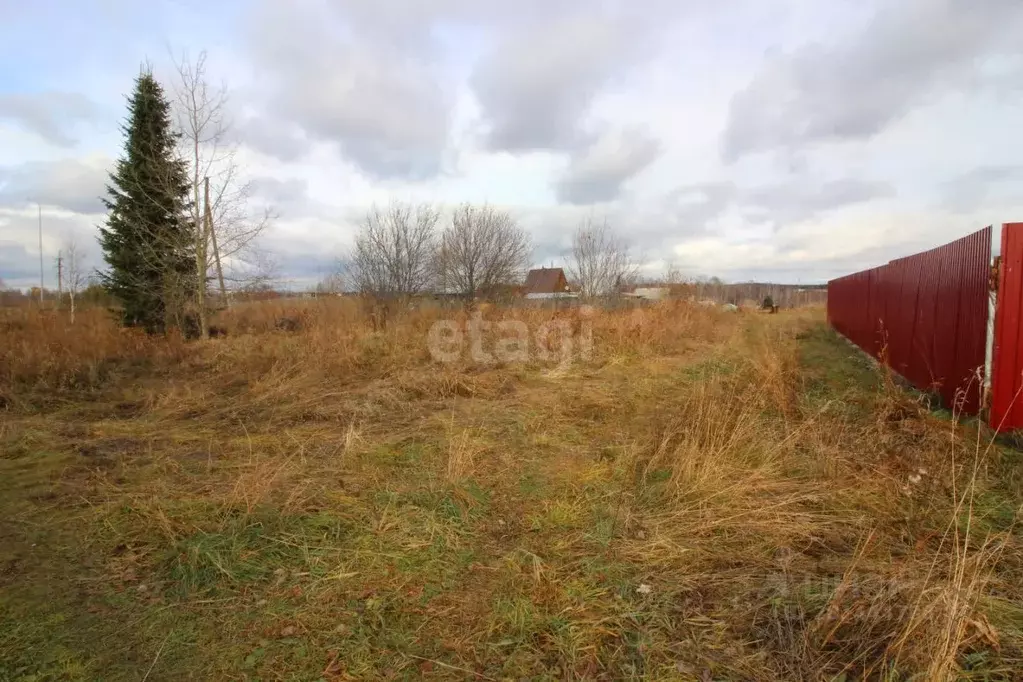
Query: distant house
547,283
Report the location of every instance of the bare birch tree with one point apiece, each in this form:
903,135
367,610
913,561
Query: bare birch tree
482,249
394,251
74,272
600,263
225,226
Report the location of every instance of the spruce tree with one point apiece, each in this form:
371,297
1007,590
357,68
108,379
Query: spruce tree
148,241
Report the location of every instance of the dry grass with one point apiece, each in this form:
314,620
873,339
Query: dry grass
706,496
44,351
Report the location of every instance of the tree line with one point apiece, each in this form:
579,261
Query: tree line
402,250
179,226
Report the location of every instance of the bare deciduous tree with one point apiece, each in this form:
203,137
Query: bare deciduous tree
483,249
331,284
393,257
74,272
600,263
226,228
673,274
394,251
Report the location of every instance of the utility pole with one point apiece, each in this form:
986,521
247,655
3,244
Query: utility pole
213,236
40,207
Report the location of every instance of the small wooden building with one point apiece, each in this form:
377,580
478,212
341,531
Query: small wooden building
546,283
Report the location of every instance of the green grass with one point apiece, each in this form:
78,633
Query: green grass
182,543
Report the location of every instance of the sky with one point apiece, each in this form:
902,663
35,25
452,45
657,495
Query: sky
784,140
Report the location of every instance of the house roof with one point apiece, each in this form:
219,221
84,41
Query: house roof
545,281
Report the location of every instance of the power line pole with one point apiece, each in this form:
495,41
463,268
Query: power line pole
213,236
41,282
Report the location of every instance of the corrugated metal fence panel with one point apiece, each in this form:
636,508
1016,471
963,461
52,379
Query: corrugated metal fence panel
946,318
916,350
899,318
926,314
925,330
877,289
971,335
1006,380
878,299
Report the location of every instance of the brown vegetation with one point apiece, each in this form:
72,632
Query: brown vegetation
706,496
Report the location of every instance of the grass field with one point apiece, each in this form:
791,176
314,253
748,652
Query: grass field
708,496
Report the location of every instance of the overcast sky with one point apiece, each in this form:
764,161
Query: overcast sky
790,140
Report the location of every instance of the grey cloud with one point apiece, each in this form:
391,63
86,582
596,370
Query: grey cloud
365,74
785,267
383,109
414,27
278,139
551,230
18,268
68,184
798,201
19,254
408,24
649,226
51,115
536,85
854,90
694,208
305,266
277,192
299,265
970,190
823,269
597,173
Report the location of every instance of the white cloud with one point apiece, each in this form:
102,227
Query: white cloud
384,110
911,50
785,139
598,172
75,185
536,84
51,115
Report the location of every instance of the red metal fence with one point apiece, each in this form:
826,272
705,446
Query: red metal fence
1007,363
926,315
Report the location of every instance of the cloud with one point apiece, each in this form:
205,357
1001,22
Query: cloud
280,139
70,184
19,251
18,268
695,209
692,208
536,85
598,172
276,191
51,115
798,201
968,191
303,269
561,111
383,109
854,89
815,255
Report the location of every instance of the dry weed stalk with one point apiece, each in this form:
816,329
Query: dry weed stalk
462,450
